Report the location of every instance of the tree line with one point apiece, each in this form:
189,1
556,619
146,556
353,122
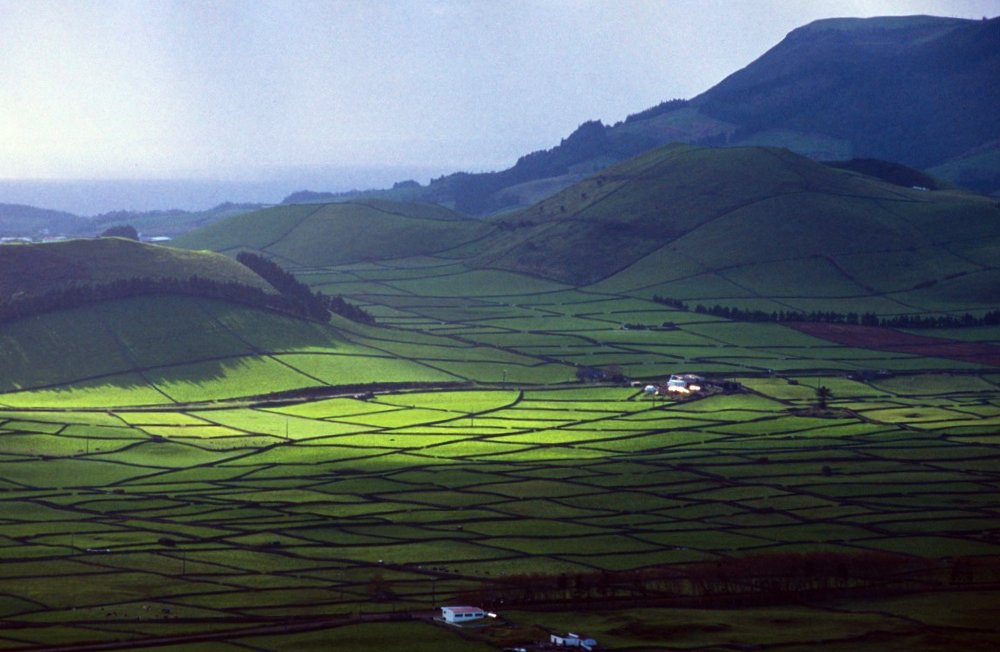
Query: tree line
762,578
310,303
990,318
315,305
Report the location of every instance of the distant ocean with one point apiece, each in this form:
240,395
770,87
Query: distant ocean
92,197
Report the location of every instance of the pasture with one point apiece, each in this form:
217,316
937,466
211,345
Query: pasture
174,467
141,522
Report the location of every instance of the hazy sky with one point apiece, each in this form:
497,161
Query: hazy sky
234,89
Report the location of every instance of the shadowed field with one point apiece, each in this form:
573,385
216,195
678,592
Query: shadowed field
143,522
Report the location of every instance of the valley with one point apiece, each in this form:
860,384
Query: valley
723,375
180,469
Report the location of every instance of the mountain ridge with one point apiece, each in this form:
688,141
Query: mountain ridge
881,72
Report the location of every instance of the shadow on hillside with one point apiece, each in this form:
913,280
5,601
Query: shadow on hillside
164,351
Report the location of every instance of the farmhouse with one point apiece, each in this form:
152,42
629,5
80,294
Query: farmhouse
685,384
462,614
573,640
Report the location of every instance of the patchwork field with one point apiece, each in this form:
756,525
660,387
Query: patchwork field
134,523
184,473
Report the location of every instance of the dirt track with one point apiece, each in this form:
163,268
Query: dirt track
887,339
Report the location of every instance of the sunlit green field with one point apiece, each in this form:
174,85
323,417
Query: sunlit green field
164,469
159,521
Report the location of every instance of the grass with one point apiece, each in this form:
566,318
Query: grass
745,475
366,229
128,426
105,260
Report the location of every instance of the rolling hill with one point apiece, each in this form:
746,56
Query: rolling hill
33,269
316,235
749,227
156,344
684,211
167,223
18,220
180,349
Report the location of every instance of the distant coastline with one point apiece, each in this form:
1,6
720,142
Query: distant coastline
89,197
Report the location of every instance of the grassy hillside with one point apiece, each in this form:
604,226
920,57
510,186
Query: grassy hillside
34,269
315,235
787,225
165,349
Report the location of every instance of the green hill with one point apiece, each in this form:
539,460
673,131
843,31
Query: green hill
33,269
692,212
317,235
165,349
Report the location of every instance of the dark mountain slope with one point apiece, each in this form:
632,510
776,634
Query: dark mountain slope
918,90
911,89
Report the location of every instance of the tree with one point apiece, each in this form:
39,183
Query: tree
823,396
121,231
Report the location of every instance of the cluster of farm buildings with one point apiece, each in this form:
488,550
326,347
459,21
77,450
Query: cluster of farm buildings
460,615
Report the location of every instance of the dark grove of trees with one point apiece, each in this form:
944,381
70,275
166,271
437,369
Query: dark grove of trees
338,306
755,579
315,305
294,290
121,231
991,318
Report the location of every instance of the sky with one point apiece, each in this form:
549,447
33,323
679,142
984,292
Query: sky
250,89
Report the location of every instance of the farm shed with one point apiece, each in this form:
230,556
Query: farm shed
461,614
685,383
573,640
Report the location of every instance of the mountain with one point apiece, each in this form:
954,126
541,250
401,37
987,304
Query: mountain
317,235
916,90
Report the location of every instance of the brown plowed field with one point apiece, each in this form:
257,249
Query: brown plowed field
887,339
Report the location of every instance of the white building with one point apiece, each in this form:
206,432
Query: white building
685,383
573,640
462,614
